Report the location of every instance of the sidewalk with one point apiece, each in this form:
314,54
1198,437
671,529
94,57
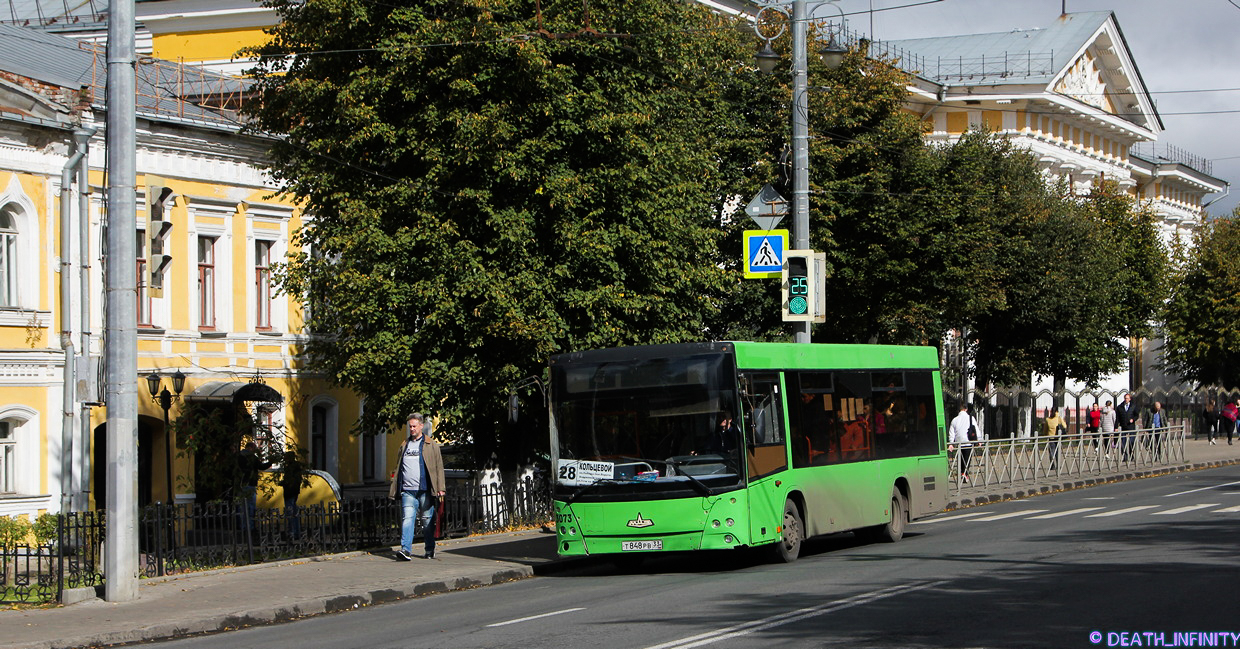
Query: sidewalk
276,592
253,595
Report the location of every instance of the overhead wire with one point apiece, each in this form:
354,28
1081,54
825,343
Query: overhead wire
527,36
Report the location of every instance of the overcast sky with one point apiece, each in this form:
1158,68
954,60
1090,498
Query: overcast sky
1177,45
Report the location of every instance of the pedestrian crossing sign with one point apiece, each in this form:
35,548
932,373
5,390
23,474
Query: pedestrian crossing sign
764,253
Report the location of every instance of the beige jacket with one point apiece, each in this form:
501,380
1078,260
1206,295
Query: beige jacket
434,467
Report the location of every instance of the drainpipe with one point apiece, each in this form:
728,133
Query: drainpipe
1226,192
69,387
90,391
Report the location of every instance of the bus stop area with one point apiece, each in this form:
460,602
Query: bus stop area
260,594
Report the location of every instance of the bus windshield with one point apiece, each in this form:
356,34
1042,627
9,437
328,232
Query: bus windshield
646,425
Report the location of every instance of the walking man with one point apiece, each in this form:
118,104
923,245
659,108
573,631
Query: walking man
1126,415
962,433
420,483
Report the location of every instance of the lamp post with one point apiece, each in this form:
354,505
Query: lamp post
165,398
767,59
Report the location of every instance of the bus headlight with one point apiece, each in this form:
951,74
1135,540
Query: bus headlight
731,522
714,523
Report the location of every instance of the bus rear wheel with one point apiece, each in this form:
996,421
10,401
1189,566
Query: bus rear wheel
893,530
788,549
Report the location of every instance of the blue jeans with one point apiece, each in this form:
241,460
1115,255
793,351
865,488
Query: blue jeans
411,502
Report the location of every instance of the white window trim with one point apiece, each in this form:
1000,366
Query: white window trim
201,206
332,451
28,249
25,429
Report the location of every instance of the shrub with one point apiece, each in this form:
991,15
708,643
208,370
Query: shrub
46,527
14,531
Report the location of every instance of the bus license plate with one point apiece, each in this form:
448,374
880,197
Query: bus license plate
638,546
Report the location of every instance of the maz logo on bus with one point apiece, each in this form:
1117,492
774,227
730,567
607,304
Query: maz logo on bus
640,522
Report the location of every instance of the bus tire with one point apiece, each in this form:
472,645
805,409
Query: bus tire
894,529
789,548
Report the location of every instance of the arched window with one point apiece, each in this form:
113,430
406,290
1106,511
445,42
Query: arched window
8,255
8,458
19,458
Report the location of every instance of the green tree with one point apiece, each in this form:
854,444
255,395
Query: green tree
483,196
1079,275
1201,322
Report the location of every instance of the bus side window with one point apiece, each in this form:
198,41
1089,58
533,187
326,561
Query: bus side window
811,408
856,416
764,430
923,424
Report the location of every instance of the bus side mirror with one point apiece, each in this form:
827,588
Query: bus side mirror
513,407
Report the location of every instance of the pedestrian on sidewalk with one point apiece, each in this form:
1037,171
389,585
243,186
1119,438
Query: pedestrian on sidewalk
1126,417
961,434
1158,424
1093,423
249,463
419,481
1053,426
293,476
1228,418
1209,417
1107,425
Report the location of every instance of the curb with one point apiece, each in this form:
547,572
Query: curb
344,601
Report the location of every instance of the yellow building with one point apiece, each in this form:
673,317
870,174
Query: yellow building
209,231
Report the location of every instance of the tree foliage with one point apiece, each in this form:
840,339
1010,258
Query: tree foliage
1201,326
486,188
483,197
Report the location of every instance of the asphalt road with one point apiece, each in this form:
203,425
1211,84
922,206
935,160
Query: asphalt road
1139,558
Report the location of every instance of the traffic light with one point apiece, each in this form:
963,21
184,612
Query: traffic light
158,257
803,273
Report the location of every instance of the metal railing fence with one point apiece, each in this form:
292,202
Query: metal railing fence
1037,460
175,539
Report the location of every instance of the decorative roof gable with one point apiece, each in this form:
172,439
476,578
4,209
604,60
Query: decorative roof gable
1082,57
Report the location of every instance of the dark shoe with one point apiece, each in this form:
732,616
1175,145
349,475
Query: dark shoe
403,555
430,555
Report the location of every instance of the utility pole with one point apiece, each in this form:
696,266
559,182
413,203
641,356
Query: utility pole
120,559
800,143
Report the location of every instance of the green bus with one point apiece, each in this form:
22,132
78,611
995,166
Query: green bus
738,444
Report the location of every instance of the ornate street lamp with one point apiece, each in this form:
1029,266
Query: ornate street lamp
767,59
165,398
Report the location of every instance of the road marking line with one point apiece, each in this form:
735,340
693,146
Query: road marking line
1193,491
947,518
1100,498
1181,510
1067,513
1227,510
535,617
746,628
1009,515
1122,511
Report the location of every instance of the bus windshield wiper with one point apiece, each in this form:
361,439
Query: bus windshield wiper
697,484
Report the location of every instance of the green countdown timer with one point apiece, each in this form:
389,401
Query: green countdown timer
798,286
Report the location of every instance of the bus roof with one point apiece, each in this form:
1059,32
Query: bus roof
754,355
833,356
